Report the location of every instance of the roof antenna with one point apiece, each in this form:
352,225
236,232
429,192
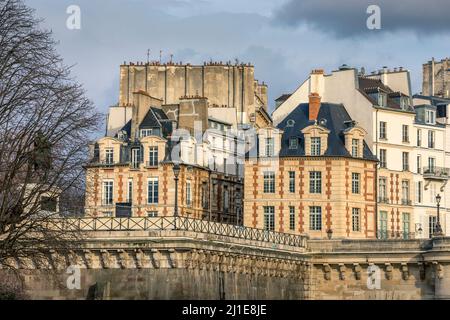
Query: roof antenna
160,56
148,55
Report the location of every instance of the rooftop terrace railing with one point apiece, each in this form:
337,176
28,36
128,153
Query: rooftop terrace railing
180,223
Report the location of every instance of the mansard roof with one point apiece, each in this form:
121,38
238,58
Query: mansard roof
333,117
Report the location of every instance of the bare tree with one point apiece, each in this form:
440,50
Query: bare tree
45,124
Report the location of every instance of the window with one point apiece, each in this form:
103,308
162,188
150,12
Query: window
153,157
405,192
406,225
108,214
405,161
269,147
383,130
430,139
432,221
315,218
205,195
315,146
293,143
108,192
188,194
109,156
404,101
419,164
152,191
152,214
130,191
315,182
135,158
356,216
355,183
291,181
291,218
146,132
431,165
419,192
226,200
269,218
382,186
382,99
49,204
430,116
355,143
419,137
383,163
405,133
269,182
382,232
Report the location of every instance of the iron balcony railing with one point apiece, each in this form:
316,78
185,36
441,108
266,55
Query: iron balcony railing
436,172
383,200
397,235
179,223
407,202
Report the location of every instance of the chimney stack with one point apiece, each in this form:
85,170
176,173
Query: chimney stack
314,106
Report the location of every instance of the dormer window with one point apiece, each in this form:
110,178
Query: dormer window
269,147
430,116
355,148
404,101
109,156
290,123
315,146
121,135
382,99
146,132
293,143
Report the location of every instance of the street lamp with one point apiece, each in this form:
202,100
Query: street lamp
438,229
329,234
176,173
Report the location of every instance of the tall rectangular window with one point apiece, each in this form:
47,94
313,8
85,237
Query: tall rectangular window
405,133
406,225
315,146
153,157
315,182
135,158
291,181
315,218
293,143
419,164
356,216
383,159
291,218
383,130
382,186
419,192
383,231
431,165
419,137
188,194
432,221
405,192
405,161
269,218
430,116
355,182
269,182
269,147
152,191
109,156
431,139
130,191
355,145
108,191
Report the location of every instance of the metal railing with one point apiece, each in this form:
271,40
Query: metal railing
436,172
397,235
407,202
383,200
179,223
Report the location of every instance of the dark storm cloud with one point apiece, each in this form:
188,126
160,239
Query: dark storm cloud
347,18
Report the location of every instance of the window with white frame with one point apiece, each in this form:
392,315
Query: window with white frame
109,155
355,148
419,192
152,214
431,165
355,182
432,222
419,163
269,218
269,147
382,99
152,191
291,218
431,141
405,191
135,157
356,219
383,130
383,158
291,181
293,143
405,133
108,192
315,182
153,156
188,194
406,225
315,146
146,132
430,116
315,218
382,187
419,137
269,182
405,161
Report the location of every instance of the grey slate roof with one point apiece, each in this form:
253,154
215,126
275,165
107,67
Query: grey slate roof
335,116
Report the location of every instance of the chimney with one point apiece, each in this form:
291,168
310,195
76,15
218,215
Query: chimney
314,106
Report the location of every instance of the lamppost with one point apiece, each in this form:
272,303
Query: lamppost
329,233
176,173
438,229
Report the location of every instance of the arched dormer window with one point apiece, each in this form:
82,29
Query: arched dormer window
354,141
316,140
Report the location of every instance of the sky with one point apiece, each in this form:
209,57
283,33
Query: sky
284,39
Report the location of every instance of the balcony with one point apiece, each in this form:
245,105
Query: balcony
437,173
406,202
395,235
383,199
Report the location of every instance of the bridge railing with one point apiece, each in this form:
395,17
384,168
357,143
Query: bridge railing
179,223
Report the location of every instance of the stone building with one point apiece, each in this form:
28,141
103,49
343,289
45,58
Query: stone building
436,78
312,174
